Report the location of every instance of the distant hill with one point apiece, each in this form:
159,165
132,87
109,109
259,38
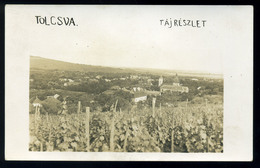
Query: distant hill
50,64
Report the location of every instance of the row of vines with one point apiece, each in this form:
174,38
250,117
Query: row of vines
192,128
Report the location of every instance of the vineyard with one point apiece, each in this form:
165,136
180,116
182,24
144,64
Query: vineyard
186,128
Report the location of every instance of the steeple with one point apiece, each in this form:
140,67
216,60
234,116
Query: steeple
176,80
160,81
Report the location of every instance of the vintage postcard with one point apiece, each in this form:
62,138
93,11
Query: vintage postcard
128,83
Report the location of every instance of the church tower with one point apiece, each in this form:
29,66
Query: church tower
176,81
160,81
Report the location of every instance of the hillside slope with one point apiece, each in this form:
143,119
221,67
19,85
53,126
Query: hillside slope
50,64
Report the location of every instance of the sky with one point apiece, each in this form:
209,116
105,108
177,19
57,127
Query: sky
130,36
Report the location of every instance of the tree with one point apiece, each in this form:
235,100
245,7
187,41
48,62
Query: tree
51,105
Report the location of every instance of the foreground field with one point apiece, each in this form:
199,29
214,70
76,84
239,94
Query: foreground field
186,128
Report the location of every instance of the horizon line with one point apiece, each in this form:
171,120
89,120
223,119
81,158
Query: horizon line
194,71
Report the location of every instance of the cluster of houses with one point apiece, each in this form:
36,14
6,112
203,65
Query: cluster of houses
69,82
97,78
141,95
175,87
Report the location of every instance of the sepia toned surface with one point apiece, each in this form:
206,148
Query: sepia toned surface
123,110
155,86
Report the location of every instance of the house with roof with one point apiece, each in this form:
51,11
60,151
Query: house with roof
92,80
153,93
139,96
149,81
63,79
137,89
134,76
115,87
175,87
54,96
98,76
109,92
37,102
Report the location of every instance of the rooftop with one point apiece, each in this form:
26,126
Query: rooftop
172,87
37,100
139,94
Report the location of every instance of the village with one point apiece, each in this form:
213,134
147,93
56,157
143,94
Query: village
99,91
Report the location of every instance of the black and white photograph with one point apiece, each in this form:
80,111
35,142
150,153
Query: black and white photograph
108,82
